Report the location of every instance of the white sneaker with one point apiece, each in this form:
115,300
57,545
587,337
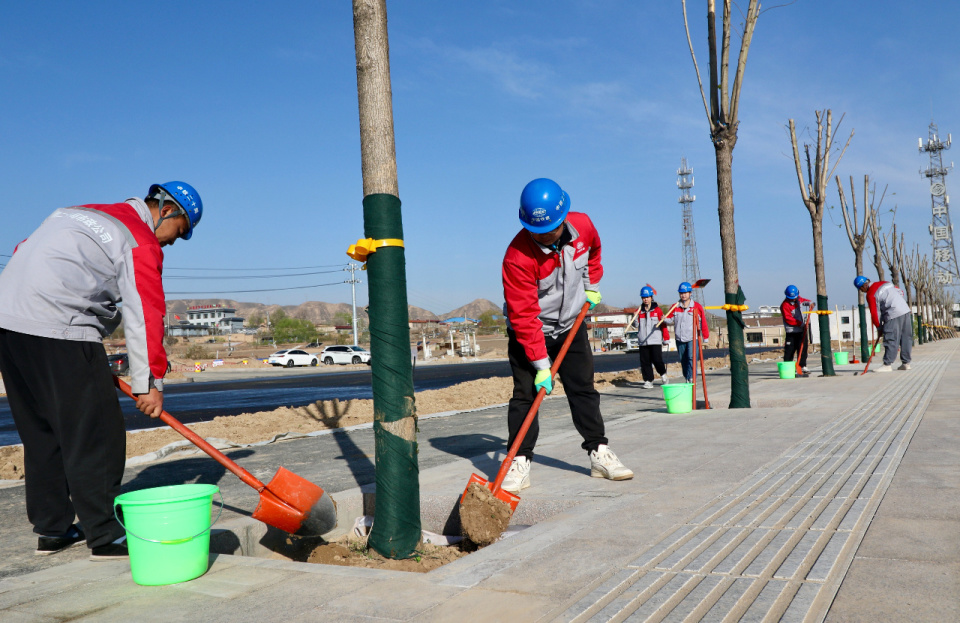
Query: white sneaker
904,366
605,464
647,385
518,477
663,380
805,370
884,369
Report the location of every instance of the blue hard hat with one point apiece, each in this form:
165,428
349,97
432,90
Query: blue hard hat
186,197
859,281
791,292
646,291
543,206
685,287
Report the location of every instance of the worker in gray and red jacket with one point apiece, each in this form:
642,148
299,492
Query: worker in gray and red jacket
651,336
794,325
60,295
551,268
682,318
891,315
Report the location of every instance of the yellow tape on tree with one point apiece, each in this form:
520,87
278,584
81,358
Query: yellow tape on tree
365,247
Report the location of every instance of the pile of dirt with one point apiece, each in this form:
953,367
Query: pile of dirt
483,517
352,551
11,463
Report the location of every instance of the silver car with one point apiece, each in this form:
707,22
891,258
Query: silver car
344,355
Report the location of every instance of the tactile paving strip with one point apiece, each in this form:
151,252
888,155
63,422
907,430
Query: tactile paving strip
777,547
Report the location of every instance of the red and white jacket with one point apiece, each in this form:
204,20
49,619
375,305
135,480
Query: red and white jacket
792,314
648,334
66,280
886,302
683,321
544,288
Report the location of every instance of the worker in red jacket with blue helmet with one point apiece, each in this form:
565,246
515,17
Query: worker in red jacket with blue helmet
683,318
794,325
652,334
59,297
551,268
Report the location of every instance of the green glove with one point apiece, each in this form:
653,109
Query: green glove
543,380
594,297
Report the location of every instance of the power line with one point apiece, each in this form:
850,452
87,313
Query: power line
210,268
318,285
221,277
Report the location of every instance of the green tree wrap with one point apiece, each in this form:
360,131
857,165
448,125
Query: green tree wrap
739,372
864,338
396,531
826,348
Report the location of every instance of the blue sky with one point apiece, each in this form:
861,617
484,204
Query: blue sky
255,104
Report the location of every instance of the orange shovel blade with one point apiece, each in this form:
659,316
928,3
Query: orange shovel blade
296,505
504,496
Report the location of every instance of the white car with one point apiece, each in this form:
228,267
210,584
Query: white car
631,341
292,357
344,355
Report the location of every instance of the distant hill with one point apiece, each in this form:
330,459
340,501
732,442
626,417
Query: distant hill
315,311
472,309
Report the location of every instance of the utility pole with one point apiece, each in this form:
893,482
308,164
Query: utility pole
396,531
353,286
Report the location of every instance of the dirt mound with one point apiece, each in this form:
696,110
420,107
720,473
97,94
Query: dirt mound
11,463
352,551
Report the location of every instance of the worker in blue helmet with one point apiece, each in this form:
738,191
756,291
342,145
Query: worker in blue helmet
69,285
651,336
794,326
550,270
684,316
892,316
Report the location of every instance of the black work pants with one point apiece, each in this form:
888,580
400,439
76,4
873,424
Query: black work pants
576,373
792,344
651,357
74,440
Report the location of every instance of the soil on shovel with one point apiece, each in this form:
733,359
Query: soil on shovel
483,517
352,551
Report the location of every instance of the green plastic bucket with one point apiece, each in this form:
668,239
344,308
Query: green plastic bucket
878,347
787,369
679,397
168,532
841,358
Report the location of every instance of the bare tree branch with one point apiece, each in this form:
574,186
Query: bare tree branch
696,67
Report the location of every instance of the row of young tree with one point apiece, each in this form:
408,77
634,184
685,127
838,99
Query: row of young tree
814,171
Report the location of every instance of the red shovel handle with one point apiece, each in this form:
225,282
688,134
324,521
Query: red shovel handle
872,351
198,441
522,433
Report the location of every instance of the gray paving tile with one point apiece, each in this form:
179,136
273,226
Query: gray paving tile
729,599
801,604
695,599
764,602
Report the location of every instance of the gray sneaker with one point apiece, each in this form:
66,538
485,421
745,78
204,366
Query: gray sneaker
904,366
605,464
884,369
518,477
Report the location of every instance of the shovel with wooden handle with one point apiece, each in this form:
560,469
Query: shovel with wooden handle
698,284
289,502
872,351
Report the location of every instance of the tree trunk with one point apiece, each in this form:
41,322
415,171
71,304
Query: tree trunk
724,143
396,531
826,347
862,308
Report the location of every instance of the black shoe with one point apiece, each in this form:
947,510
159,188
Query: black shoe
47,545
110,551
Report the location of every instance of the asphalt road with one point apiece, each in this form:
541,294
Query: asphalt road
201,402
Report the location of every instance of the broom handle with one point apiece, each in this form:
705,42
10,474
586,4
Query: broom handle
802,342
198,441
693,356
703,368
522,433
872,350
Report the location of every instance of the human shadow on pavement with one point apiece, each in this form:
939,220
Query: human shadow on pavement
331,413
201,470
478,448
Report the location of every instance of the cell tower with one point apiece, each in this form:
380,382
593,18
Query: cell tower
941,230
691,265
